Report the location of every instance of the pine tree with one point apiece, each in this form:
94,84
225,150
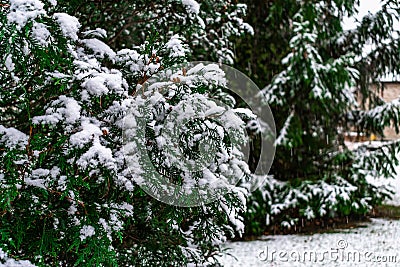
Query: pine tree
313,71
68,194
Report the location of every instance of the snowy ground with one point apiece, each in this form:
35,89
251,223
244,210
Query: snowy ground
376,244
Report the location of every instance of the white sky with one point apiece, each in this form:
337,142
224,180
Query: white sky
369,6
365,7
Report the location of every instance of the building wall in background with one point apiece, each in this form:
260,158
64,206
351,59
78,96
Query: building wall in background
390,93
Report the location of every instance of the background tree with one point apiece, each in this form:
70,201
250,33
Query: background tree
312,70
207,26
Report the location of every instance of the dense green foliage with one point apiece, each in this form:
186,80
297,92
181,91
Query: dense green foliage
70,72
67,196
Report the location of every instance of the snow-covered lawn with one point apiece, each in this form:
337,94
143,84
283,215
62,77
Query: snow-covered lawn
375,245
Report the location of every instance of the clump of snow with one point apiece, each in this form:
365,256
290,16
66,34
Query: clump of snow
53,2
10,66
210,74
176,46
106,227
95,86
86,231
131,59
12,137
97,155
192,6
5,261
40,33
24,10
63,109
2,254
88,133
58,75
69,25
37,178
98,32
101,83
9,63
99,48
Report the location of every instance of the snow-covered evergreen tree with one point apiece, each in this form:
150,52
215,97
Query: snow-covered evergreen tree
69,195
207,26
313,72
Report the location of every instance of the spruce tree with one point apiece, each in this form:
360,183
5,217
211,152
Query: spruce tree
313,72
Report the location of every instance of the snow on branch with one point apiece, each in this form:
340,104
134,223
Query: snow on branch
282,138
